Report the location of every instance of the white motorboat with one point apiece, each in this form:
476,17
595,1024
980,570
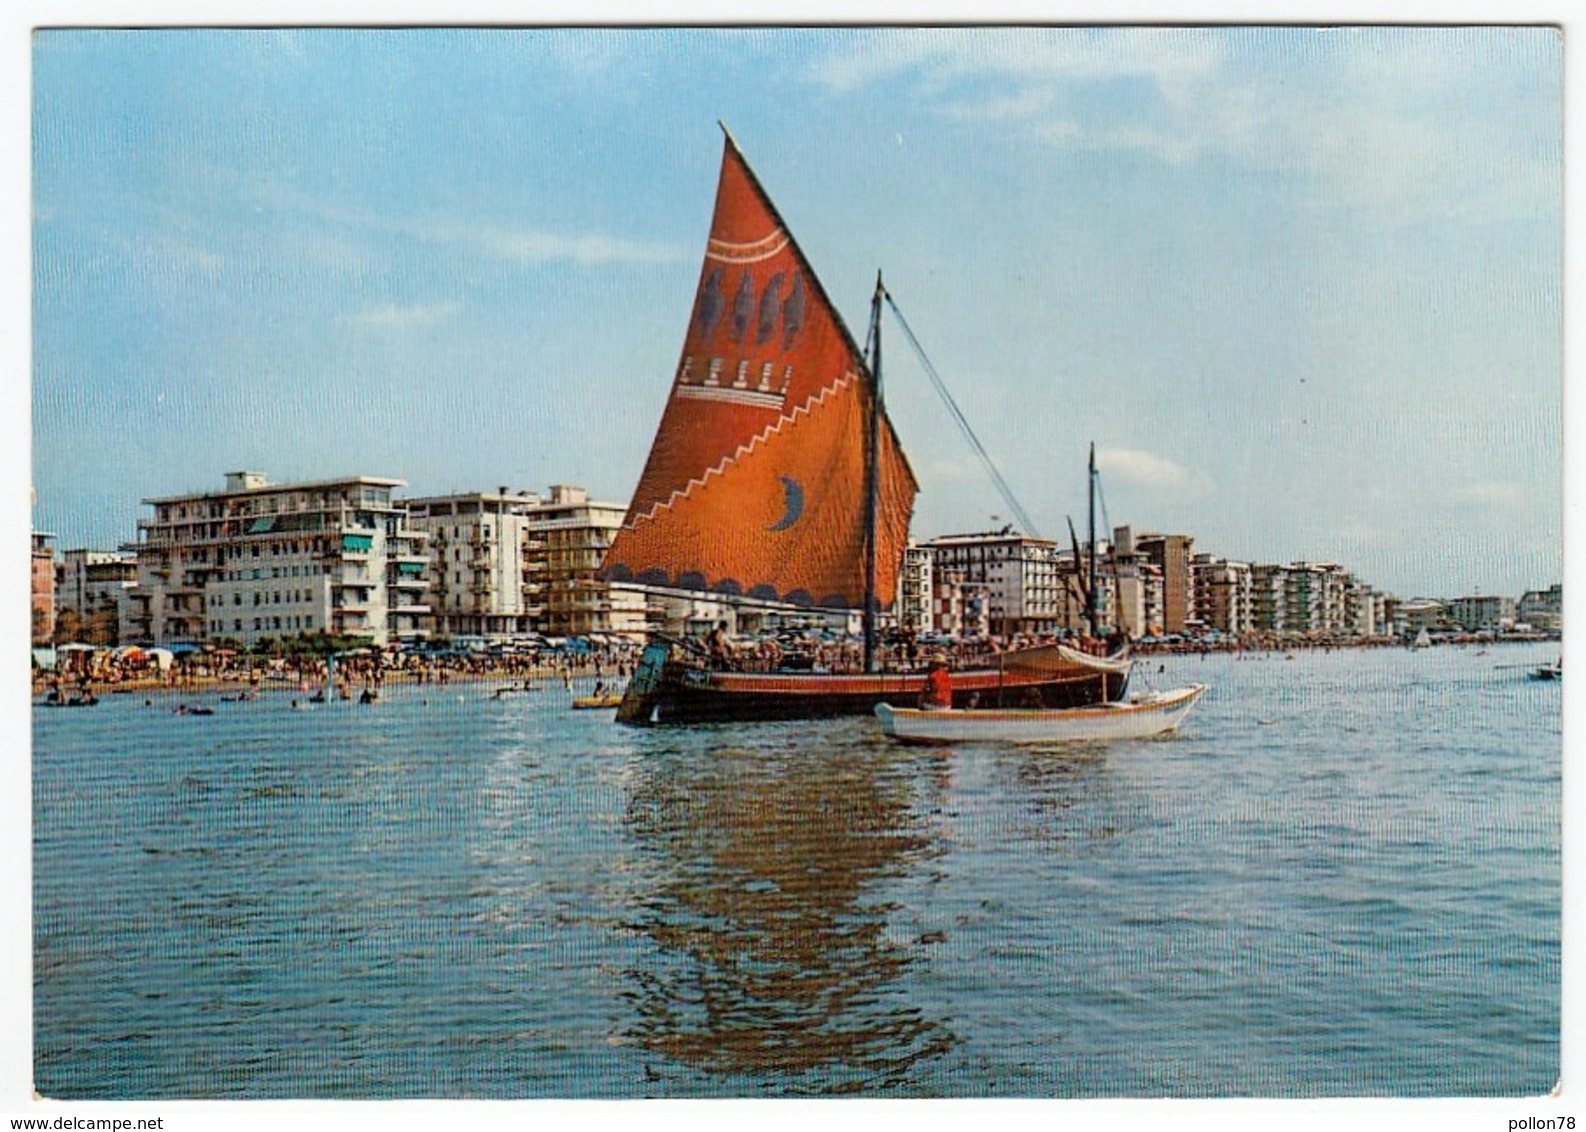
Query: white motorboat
1139,717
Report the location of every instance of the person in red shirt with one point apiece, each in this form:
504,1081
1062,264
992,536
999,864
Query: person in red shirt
938,685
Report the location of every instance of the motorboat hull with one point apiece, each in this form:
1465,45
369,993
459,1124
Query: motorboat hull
1139,718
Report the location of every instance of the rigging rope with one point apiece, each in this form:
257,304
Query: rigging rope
1106,519
963,424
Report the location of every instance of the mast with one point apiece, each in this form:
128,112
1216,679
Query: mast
872,475
1091,613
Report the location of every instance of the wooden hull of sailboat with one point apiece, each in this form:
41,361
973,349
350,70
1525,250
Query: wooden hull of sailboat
669,689
1152,715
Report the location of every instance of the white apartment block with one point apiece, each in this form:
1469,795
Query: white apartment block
482,580
261,560
1410,617
1306,599
1367,614
1484,613
913,608
1542,610
1016,576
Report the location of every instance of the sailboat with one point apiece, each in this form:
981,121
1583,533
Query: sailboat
776,475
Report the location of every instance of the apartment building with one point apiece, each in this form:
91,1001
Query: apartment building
1171,554
1224,593
486,578
913,608
1131,589
1543,610
1484,613
263,561
1305,599
959,607
95,587
570,534
1367,611
43,582
1412,616
1016,576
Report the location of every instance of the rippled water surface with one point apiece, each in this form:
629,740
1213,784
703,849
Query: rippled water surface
1341,878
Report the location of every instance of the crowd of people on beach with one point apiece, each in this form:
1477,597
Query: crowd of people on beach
79,674
82,675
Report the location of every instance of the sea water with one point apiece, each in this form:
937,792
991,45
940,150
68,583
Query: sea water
1341,878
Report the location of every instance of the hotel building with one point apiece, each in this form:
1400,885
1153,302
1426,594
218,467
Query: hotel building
570,534
486,575
1016,576
261,560
1483,613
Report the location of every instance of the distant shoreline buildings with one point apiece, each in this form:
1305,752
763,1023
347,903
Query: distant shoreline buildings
259,562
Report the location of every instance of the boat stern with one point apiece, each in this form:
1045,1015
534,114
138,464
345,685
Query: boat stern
643,693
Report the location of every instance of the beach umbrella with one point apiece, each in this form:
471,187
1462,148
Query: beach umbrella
161,657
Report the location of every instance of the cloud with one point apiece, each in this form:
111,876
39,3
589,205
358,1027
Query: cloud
1494,495
1404,123
521,245
944,59
535,246
1143,469
390,316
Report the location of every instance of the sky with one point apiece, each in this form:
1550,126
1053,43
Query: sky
1301,286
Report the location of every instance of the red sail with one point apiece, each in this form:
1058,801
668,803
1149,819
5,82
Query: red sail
755,484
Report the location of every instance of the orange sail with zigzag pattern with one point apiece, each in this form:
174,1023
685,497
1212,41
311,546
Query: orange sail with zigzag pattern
756,482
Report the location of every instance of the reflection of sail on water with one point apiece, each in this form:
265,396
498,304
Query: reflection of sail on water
755,483
769,913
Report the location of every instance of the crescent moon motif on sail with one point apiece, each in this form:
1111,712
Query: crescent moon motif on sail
793,501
